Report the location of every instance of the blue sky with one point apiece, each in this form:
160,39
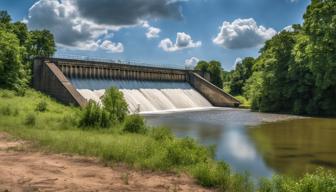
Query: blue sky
176,30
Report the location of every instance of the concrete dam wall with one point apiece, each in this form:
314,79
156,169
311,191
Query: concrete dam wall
146,89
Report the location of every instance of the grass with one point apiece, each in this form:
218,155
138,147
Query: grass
56,130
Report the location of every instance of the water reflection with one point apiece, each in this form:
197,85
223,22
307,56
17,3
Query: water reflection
290,147
297,146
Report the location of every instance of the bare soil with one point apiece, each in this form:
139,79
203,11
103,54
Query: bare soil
25,170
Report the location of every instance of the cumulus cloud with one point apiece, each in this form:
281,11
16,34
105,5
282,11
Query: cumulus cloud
183,41
112,47
191,63
153,32
242,33
81,23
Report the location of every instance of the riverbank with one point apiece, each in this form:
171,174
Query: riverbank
25,169
53,130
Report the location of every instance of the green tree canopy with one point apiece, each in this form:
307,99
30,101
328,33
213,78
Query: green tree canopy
12,70
41,44
214,69
242,72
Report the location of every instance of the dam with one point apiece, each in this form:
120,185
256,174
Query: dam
145,88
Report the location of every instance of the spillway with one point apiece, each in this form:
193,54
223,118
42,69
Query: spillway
145,96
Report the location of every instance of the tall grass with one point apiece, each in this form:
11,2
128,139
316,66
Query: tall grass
56,130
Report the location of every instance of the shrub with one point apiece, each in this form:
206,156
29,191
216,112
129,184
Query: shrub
41,106
30,120
241,183
93,115
115,104
134,124
186,152
161,133
210,174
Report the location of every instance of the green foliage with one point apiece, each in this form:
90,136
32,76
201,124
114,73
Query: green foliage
214,69
5,17
242,72
12,70
161,134
93,115
295,72
115,104
186,152
41,44
202,66
134,124
213,175
30,120
321,180
55,131
41,106
17,47
8,111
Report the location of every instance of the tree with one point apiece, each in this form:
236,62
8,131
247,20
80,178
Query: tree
5,18
21,32
202,66
12,71
214,69
242,72
41,44
320,27
115,104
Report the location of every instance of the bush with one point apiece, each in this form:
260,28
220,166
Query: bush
115,104
41,106
161,134
210,174
93,115
30,120
241,183
186,152
134,124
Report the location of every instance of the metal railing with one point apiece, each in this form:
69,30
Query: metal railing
117,61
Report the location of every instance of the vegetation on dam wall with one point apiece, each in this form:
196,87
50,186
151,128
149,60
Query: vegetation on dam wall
55,128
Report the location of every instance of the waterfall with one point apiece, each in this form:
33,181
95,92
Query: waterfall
145,96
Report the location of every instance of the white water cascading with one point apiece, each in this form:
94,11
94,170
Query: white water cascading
145,96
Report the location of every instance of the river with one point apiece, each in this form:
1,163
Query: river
258,143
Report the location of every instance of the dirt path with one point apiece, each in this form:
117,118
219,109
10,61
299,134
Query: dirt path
26,171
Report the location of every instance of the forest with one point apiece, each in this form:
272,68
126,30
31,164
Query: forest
295,71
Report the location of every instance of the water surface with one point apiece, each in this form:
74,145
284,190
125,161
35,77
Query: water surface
284,144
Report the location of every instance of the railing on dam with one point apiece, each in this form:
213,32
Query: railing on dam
118,61
94,69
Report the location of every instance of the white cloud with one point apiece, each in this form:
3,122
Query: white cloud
79,24
153,32
183,41
112,47
191,63
242,33
69,28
